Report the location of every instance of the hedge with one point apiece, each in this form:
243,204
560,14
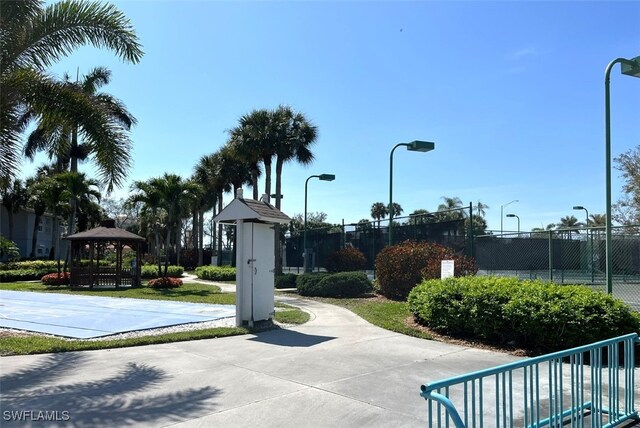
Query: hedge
14,275
536,315
343,284
151,271
216,273
287,280
165,282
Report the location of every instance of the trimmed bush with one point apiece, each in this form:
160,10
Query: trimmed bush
347,259
151,271
287,280
61,278
343,284
536,315
216,273
401,267
23,274
309,280
165,282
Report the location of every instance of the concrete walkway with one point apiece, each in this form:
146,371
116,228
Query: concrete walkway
336,370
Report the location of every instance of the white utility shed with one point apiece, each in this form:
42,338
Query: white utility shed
255,258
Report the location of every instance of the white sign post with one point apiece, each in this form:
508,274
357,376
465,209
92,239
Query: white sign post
446,269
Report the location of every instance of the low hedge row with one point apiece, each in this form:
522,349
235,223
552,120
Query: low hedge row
165,282
343,284
151,271
286,280
536,315
216,273
24,274
61,278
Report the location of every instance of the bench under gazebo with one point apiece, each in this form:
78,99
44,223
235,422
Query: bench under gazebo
99,273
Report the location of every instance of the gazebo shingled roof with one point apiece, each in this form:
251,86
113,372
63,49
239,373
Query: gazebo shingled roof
105,234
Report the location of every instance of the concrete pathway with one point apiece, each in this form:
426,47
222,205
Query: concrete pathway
336,370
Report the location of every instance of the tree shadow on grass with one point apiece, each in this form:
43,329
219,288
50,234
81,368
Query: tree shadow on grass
137,393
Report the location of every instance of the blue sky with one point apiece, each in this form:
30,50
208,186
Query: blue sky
512,94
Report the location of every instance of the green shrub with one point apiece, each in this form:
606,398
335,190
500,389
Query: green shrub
287,280
401,267
61,278
151,271
309,280
347,259
536,315
22,274
343,284
165,282
216,273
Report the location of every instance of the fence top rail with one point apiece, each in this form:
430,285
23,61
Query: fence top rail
426,388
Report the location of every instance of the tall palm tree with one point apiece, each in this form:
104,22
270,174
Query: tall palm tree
397,209
254,141
450,205
68,142
14,198
294,137
379,211
78,186
36,188
205,175
481,208
34,36
56,197
175,195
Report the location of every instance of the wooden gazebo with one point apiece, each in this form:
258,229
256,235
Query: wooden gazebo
100,273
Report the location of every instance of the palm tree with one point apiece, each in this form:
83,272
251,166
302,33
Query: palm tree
254,141
68,142
481,208
379,211
175,195
78,187
451,206
598,220
205,175
397,210
34,36
54,195
151,199
14,198
569,222
294,137
36,187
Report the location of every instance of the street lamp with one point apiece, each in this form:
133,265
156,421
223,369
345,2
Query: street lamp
589,237
630,67
414,146
513,215
323,177
580,207
501,213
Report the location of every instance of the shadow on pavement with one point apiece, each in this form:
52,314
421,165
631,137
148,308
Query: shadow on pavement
291,338
134,395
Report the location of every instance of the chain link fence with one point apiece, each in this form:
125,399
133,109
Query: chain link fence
569,256
448,228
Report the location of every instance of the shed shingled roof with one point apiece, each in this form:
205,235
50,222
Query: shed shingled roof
265,209
105,234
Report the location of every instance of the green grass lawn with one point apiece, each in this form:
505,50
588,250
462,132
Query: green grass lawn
189,292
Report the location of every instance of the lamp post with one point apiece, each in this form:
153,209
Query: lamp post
589,237
502,215
414,146
630,67
323,177
513,215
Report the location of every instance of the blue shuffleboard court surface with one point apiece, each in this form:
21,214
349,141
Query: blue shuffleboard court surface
85,317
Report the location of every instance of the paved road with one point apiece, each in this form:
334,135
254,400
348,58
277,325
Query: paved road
336,370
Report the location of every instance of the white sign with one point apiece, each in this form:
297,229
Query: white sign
446,269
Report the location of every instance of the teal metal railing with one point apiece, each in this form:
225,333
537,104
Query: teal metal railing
591,385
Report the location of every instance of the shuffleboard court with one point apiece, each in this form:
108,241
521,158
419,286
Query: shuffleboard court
84,317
